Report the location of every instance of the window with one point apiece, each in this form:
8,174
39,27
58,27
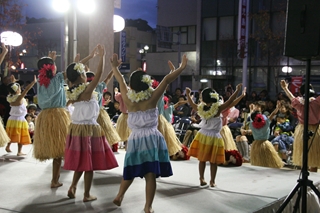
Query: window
209,29
226,28
187,34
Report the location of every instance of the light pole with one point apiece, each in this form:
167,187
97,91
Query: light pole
143,51
69,8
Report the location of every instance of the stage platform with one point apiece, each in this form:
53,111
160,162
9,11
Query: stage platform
25,187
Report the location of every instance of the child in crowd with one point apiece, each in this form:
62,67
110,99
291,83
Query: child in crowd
17,126
283,136
29,118
262,151
313,125
32,110
53,120
147,154
208,144
86,148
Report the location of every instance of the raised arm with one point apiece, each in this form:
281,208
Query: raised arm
93,84
115,63
108,78
238,99
4,52
190,101
275,111
228,103
284,86
169,78
90,56
25,91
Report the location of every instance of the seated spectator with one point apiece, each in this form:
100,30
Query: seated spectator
193,129
29,118
283,136
108,104
176,96
32,110
116,105
182,108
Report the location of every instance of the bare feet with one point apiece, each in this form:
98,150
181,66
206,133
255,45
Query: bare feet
21,154
90,198
117,201
148,210
212,184
56,185
8,150
72,192
202,182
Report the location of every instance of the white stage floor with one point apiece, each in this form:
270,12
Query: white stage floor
25,187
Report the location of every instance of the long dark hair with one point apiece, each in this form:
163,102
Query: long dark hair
135,81
206,97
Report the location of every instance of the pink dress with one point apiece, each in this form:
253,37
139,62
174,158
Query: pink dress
86,147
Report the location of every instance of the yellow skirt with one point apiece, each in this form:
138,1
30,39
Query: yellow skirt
17,131
314,151
228,140
50,134
173,143
122,127
207,148
4,138
264,154
107,127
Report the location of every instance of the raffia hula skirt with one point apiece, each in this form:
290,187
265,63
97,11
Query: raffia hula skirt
314,151
17,130
207,146
4,138
173,143
110,132
51,133
264,154
87,149
227,137
122,127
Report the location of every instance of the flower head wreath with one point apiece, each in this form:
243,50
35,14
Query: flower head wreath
13,97
15,87
258,121
45,74
214,95
79,67
142,95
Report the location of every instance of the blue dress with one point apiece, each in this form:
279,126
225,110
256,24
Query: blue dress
147,150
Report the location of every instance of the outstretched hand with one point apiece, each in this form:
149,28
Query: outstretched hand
94,52
283,84
188,91
115,62
101,51
238,87
184,62
52,55
77,58
35,79
244,91
171,66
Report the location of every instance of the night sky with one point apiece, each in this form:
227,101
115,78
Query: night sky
130,9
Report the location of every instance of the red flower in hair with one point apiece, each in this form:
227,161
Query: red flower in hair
155,83
166,102
44,79
259,121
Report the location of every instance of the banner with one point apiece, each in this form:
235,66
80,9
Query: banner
243,28
296,83
123,51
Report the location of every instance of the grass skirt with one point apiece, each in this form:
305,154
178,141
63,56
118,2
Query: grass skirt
50,133
314,151
108,128
167,130
264,154
122,127
87,149
227,137
4,139
17,130
207,148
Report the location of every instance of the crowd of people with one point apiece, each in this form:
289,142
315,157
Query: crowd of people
75,119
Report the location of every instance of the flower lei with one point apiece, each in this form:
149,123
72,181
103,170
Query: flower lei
12,98
43,78
214,95
73,93
209,113
147,79
139,96
258,121
79,67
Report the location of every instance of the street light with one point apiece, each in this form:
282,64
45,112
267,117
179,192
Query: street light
143,53
118,23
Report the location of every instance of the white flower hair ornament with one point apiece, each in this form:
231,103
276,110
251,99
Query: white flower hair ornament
15,87
147,79
80,68
214,95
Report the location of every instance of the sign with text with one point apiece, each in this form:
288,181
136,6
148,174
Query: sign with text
243,28
123,46
296,83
